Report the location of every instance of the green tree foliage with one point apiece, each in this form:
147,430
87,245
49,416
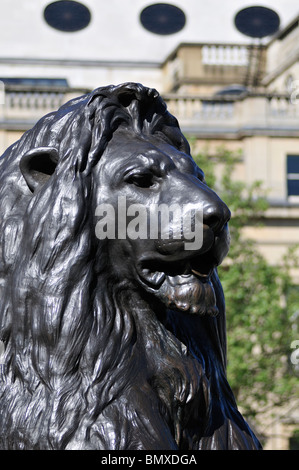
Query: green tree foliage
260,299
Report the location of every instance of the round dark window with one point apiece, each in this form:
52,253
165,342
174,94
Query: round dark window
67,15
257,22
163,18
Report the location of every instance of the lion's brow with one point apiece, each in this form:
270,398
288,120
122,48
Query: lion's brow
156,161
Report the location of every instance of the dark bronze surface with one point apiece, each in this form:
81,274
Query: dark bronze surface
114,343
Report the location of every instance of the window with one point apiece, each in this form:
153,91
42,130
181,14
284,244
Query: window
293,177
67,15
163,18
257,22
35,82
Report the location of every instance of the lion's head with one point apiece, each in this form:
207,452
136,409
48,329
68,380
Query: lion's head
111,342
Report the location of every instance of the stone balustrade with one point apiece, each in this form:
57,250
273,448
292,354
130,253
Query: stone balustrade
219,54
224,113
189,107
34,100
22,106
212,114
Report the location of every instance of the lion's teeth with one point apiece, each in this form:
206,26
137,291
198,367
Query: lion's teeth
199,274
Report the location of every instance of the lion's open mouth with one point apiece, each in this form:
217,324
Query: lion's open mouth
183,285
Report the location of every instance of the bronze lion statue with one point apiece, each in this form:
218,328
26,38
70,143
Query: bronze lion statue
113,343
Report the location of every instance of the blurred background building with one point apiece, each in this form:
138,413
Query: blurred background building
228,71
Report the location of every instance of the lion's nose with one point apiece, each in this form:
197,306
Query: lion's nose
216,214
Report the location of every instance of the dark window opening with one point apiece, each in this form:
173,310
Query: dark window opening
67,15
293,175
257,22
35,82
163,18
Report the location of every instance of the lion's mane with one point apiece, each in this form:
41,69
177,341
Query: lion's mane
88,364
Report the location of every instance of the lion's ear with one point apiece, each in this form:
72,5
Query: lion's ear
38,165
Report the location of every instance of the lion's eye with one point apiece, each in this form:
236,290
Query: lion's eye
142,180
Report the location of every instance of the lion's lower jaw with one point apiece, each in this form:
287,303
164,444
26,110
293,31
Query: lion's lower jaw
188,293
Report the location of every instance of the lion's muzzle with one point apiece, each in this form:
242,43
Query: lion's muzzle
182,278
